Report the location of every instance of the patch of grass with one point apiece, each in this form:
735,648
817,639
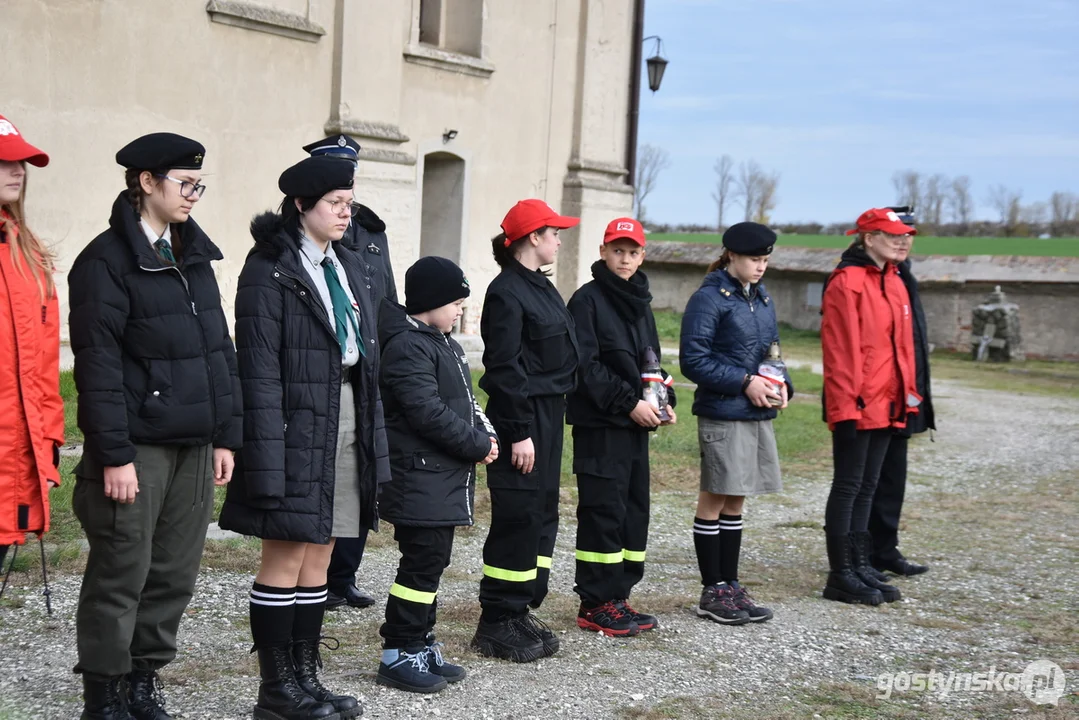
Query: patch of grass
72,434
1046,247
235,554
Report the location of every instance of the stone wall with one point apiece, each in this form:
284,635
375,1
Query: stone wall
1046,290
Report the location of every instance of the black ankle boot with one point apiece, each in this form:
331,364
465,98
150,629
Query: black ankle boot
280,696
843,584
307,661
104,698
146,701
861,544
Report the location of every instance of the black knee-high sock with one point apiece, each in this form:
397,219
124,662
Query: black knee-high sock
310,607
730,544
272,612
706,543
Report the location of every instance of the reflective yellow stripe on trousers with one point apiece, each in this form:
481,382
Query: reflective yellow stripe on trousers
595,557
509,575
633,555
416,596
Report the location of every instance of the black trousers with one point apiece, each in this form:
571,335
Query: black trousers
611,465
857,463
888,502
411,606
524,517
345,561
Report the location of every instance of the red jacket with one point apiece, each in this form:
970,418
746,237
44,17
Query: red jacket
32,421
868,342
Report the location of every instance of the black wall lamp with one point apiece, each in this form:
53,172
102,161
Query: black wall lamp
656,64
451,134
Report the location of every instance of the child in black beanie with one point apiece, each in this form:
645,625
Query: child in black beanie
437,433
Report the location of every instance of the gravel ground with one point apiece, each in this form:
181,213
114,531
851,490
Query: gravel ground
999,463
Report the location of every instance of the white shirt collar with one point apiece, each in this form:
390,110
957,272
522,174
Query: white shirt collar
152,236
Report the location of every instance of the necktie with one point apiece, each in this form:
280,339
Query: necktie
343,312
164,249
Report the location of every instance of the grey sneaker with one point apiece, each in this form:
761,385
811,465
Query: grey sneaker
717,604
743,601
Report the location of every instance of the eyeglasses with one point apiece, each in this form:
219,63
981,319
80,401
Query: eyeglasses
340,207
187,188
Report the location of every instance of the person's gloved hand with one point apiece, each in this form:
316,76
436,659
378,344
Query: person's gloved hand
845,430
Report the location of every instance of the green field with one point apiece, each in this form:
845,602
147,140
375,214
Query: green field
1049,247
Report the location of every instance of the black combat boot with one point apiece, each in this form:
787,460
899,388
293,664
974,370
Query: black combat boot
861,544
307,661
145,699
104,698
508,638
843,584
280,696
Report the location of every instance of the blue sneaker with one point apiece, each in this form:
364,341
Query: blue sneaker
408,671
438,665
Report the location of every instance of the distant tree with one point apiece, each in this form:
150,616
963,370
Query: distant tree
748,185
908,188
933,200
1063,213
724,169
960,202
651,161
1008,204
766,198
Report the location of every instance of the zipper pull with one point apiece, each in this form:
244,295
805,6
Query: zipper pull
193,310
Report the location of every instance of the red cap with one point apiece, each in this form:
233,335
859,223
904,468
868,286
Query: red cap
14,149
882,220
624,227
529,215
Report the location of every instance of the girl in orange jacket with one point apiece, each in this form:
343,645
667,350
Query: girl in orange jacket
869,389
32,421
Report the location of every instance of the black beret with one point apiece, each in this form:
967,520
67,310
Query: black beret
341,146
315,176
432,282
749,238
160,151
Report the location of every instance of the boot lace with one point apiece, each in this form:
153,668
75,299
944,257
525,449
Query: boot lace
149,694
533,626
434,650
418,660
311,660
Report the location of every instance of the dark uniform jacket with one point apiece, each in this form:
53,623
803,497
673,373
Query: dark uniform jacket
924,419
615,325
366,237
290,366
529,348
154,363
725,336
436,430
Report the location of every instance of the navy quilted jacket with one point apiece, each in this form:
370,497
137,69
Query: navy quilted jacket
725,336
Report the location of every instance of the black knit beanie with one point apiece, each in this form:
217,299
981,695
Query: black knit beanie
432,282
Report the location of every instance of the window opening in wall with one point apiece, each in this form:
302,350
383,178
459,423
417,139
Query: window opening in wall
452,25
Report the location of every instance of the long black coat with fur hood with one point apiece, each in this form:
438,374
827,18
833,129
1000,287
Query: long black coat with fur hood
290,373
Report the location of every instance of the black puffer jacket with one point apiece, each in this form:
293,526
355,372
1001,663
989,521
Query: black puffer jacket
154,362
290,366
529,348
366,237
615,325
436,430
925,418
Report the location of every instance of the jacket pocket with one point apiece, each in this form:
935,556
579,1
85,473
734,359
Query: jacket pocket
548,344
156,401
299,453
432,461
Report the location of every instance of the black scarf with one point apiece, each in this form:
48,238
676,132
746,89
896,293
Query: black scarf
630,297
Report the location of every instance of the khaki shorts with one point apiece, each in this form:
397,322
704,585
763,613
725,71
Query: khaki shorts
738,457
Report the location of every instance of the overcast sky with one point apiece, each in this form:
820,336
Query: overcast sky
837,95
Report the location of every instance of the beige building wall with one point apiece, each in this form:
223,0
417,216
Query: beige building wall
537,93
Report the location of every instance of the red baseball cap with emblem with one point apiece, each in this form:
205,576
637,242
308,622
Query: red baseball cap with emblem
14,148
626,228
532,214
882,220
